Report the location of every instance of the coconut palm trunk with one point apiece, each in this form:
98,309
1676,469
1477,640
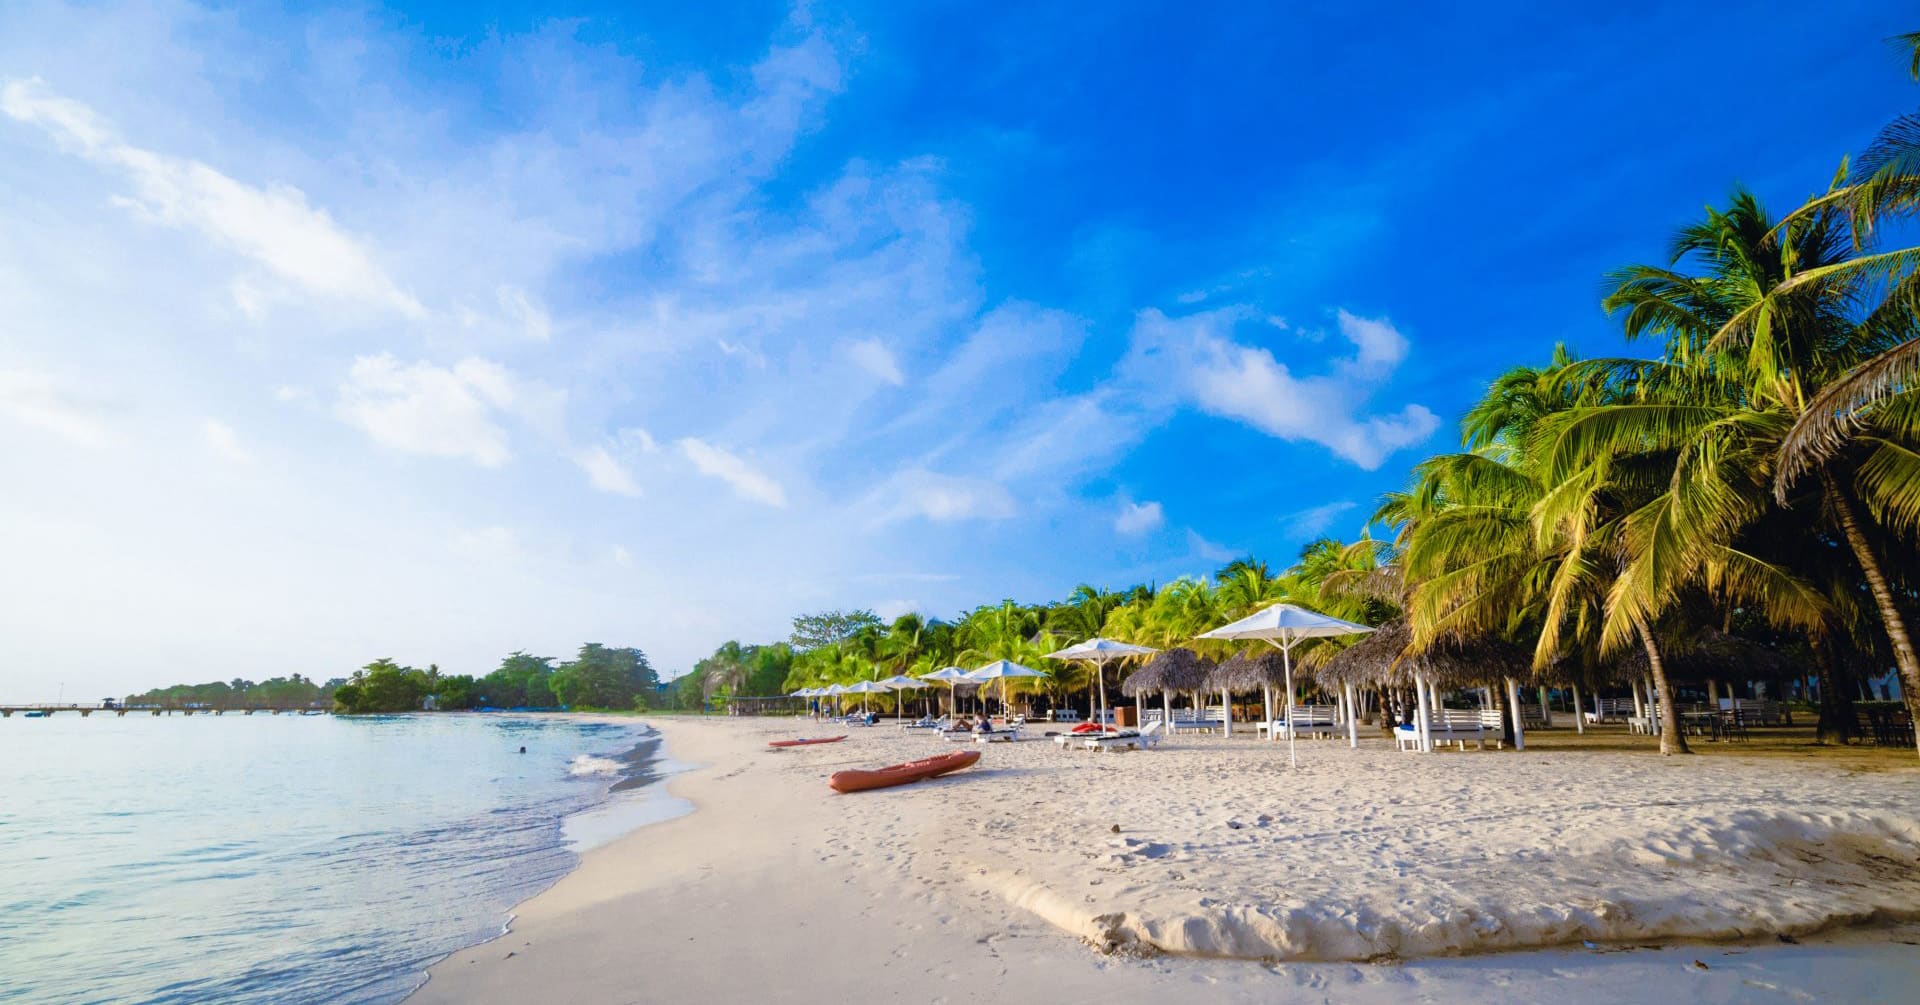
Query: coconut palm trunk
1672,740
1896,626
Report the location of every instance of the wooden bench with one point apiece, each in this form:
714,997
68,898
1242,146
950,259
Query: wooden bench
1310,720
1446,725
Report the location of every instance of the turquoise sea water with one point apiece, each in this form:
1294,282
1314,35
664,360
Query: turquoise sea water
286,859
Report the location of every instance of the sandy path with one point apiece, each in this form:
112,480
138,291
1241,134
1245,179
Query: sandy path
776,889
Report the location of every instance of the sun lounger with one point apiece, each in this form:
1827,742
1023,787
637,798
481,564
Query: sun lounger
940,723
1126,739
1008,734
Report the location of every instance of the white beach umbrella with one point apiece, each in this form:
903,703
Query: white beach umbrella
1284,626
1100,652
953,676
867,687
901,682
1000,670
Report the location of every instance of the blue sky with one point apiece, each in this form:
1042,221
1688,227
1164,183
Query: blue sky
439,331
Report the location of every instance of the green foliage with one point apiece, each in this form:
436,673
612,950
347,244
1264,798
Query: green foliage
521,681
603,677
290,691
829,628
383,686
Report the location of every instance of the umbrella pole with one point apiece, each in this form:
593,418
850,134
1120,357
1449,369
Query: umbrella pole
1286,657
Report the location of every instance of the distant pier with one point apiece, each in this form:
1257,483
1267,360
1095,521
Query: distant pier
84,710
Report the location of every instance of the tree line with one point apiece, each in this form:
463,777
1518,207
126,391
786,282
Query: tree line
1757,473
598,677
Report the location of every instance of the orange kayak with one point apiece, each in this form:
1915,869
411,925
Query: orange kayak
901,774
806,741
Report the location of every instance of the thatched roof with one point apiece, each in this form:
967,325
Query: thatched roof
1381,659
1711,653
1173,670
1247,671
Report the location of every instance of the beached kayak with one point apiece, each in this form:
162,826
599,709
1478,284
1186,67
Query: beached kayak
901,774
807,741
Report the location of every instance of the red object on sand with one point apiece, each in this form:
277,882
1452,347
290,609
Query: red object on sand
1089,727
806,741
901,774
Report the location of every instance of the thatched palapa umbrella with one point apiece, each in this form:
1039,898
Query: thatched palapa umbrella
1381,660
1173,670
1245,672
1710,655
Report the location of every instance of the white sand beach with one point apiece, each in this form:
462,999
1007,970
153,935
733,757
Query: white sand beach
1009,880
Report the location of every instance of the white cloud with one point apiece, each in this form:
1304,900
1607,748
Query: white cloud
274,226
747,482
224,442
1138,518
1205,549
873,356
289,393
1381,346
424,409
918,492
529,316
605,471
1314,521
39,400
1205,366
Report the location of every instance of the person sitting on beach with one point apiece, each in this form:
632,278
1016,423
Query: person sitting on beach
985,725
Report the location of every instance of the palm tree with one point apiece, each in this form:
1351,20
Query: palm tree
1749,338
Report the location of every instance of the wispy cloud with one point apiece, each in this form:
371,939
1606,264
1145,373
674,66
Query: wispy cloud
919,493
1138,518
605,472
1314,521
746,481
274,227
46,403
873,356
426,409
1207,367
1208,550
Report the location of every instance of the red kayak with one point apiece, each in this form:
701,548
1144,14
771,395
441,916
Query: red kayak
901,774
807,741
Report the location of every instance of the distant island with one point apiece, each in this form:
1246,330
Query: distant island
597,678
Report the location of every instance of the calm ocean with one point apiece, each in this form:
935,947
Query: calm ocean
288,859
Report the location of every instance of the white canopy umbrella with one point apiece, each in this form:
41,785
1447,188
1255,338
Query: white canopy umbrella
1000,670
901,682
953,676
867,687
1100,652
1284,626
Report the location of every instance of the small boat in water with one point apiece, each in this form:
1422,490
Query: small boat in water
807,741
900,774
38,714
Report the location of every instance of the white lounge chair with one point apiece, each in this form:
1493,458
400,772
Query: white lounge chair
1126,739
